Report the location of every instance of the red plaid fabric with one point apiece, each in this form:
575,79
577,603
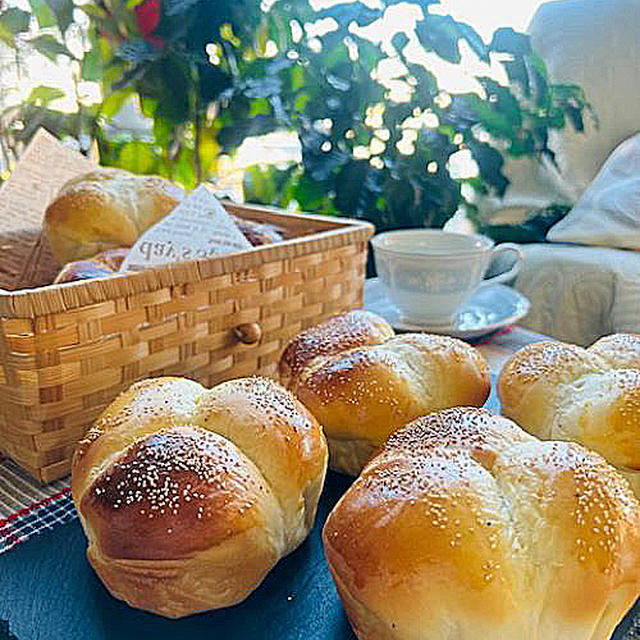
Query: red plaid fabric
27,508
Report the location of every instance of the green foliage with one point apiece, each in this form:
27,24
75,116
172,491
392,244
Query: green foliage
396,183
210,73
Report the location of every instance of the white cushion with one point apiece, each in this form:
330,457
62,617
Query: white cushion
608,213
596,45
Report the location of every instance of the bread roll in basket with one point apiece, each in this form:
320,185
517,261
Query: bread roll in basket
188,496
465,527
362,382
106,209
97,216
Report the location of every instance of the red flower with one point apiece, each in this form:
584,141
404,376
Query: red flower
148,17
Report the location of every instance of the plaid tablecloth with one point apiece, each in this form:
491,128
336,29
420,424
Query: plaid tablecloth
28,508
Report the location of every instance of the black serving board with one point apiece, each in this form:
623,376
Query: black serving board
48,591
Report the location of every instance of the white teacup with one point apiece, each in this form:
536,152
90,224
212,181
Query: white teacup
429,273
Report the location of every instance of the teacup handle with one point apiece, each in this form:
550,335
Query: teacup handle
513,271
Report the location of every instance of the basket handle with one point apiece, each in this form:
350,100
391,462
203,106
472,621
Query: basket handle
248,333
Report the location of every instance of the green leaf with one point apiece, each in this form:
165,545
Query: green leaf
91,67
183,169
96,13
63,10
50,47
259,107
506,40
358,185
518,73
490,163
311,194
440,34
474,40
575,115
503,101
44,94
6,36
399,41
136,156
345,13
15,20
43,13
163,130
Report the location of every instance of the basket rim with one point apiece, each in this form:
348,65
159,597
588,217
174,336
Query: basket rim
59,298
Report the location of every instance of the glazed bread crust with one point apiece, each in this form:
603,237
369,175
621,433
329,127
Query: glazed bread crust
188,496
345,331
465,527
105,209
363,385
591,396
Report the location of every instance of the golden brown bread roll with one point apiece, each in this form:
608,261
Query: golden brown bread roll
591,396
111,208
188,496
105,209
361,383
104,264
465,527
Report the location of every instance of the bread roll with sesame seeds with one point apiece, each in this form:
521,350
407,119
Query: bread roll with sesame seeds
189,496
362,383
591,396
466,527
349,330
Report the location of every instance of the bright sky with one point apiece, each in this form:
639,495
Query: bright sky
487,15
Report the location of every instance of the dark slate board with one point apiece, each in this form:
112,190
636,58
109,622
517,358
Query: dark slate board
49,592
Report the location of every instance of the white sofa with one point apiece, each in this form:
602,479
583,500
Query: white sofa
579,293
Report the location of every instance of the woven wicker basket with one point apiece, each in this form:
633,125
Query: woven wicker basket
67,350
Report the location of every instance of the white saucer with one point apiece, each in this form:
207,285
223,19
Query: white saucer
490,308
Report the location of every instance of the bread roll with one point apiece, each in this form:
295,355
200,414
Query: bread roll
188,496
591,396
105,209
361,383
465,527
104,264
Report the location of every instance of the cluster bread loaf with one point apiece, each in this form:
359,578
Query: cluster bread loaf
188,496
362,382
465,527
591,396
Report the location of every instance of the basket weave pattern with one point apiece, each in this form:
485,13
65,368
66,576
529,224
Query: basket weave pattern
67,351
